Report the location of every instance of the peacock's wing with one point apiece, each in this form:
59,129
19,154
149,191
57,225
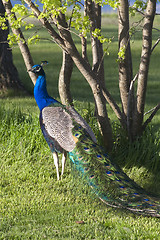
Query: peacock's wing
52,143
78,118
58,125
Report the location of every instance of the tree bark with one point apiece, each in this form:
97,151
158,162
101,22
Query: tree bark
94,12
21,43
125,65
83,39
144,67
64,79
9,78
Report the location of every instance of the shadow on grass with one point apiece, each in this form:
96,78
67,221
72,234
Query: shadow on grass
11,93
140,159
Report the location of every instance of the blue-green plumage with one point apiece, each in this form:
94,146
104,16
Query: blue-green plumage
66,131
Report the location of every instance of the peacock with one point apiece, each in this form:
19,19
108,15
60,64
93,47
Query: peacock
66,132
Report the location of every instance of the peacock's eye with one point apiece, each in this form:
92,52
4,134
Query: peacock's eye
37,68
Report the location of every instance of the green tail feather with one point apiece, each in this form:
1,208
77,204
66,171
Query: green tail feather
107,180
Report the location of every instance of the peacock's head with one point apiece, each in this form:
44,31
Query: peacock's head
38,69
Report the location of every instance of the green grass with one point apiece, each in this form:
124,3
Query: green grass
33,205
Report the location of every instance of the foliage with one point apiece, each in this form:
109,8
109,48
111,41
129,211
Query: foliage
14,38
77,21
112,3
53,8
121,53
35,39
138,5
3,23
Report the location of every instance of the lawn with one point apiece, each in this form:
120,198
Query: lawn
33,204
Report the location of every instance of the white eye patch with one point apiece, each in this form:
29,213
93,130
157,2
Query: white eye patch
37,69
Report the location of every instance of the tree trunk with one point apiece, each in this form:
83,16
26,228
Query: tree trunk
144,67
83,39
94,13
64,79
9,78
21,43
93,10
125,65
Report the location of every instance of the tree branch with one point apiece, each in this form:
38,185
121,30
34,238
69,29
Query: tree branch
155,109
136,76
130,103
144,67
138,11
114,107
83,39
155,45
59,41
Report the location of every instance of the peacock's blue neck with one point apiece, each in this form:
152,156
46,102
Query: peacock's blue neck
40,93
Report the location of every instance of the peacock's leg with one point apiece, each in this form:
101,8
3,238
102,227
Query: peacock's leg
64,156
56,163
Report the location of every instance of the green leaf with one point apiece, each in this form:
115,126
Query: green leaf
112,3
138,5
29,26
20,9
3,23
34,39
14,39
121,53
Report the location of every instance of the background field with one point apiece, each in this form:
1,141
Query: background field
33,205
